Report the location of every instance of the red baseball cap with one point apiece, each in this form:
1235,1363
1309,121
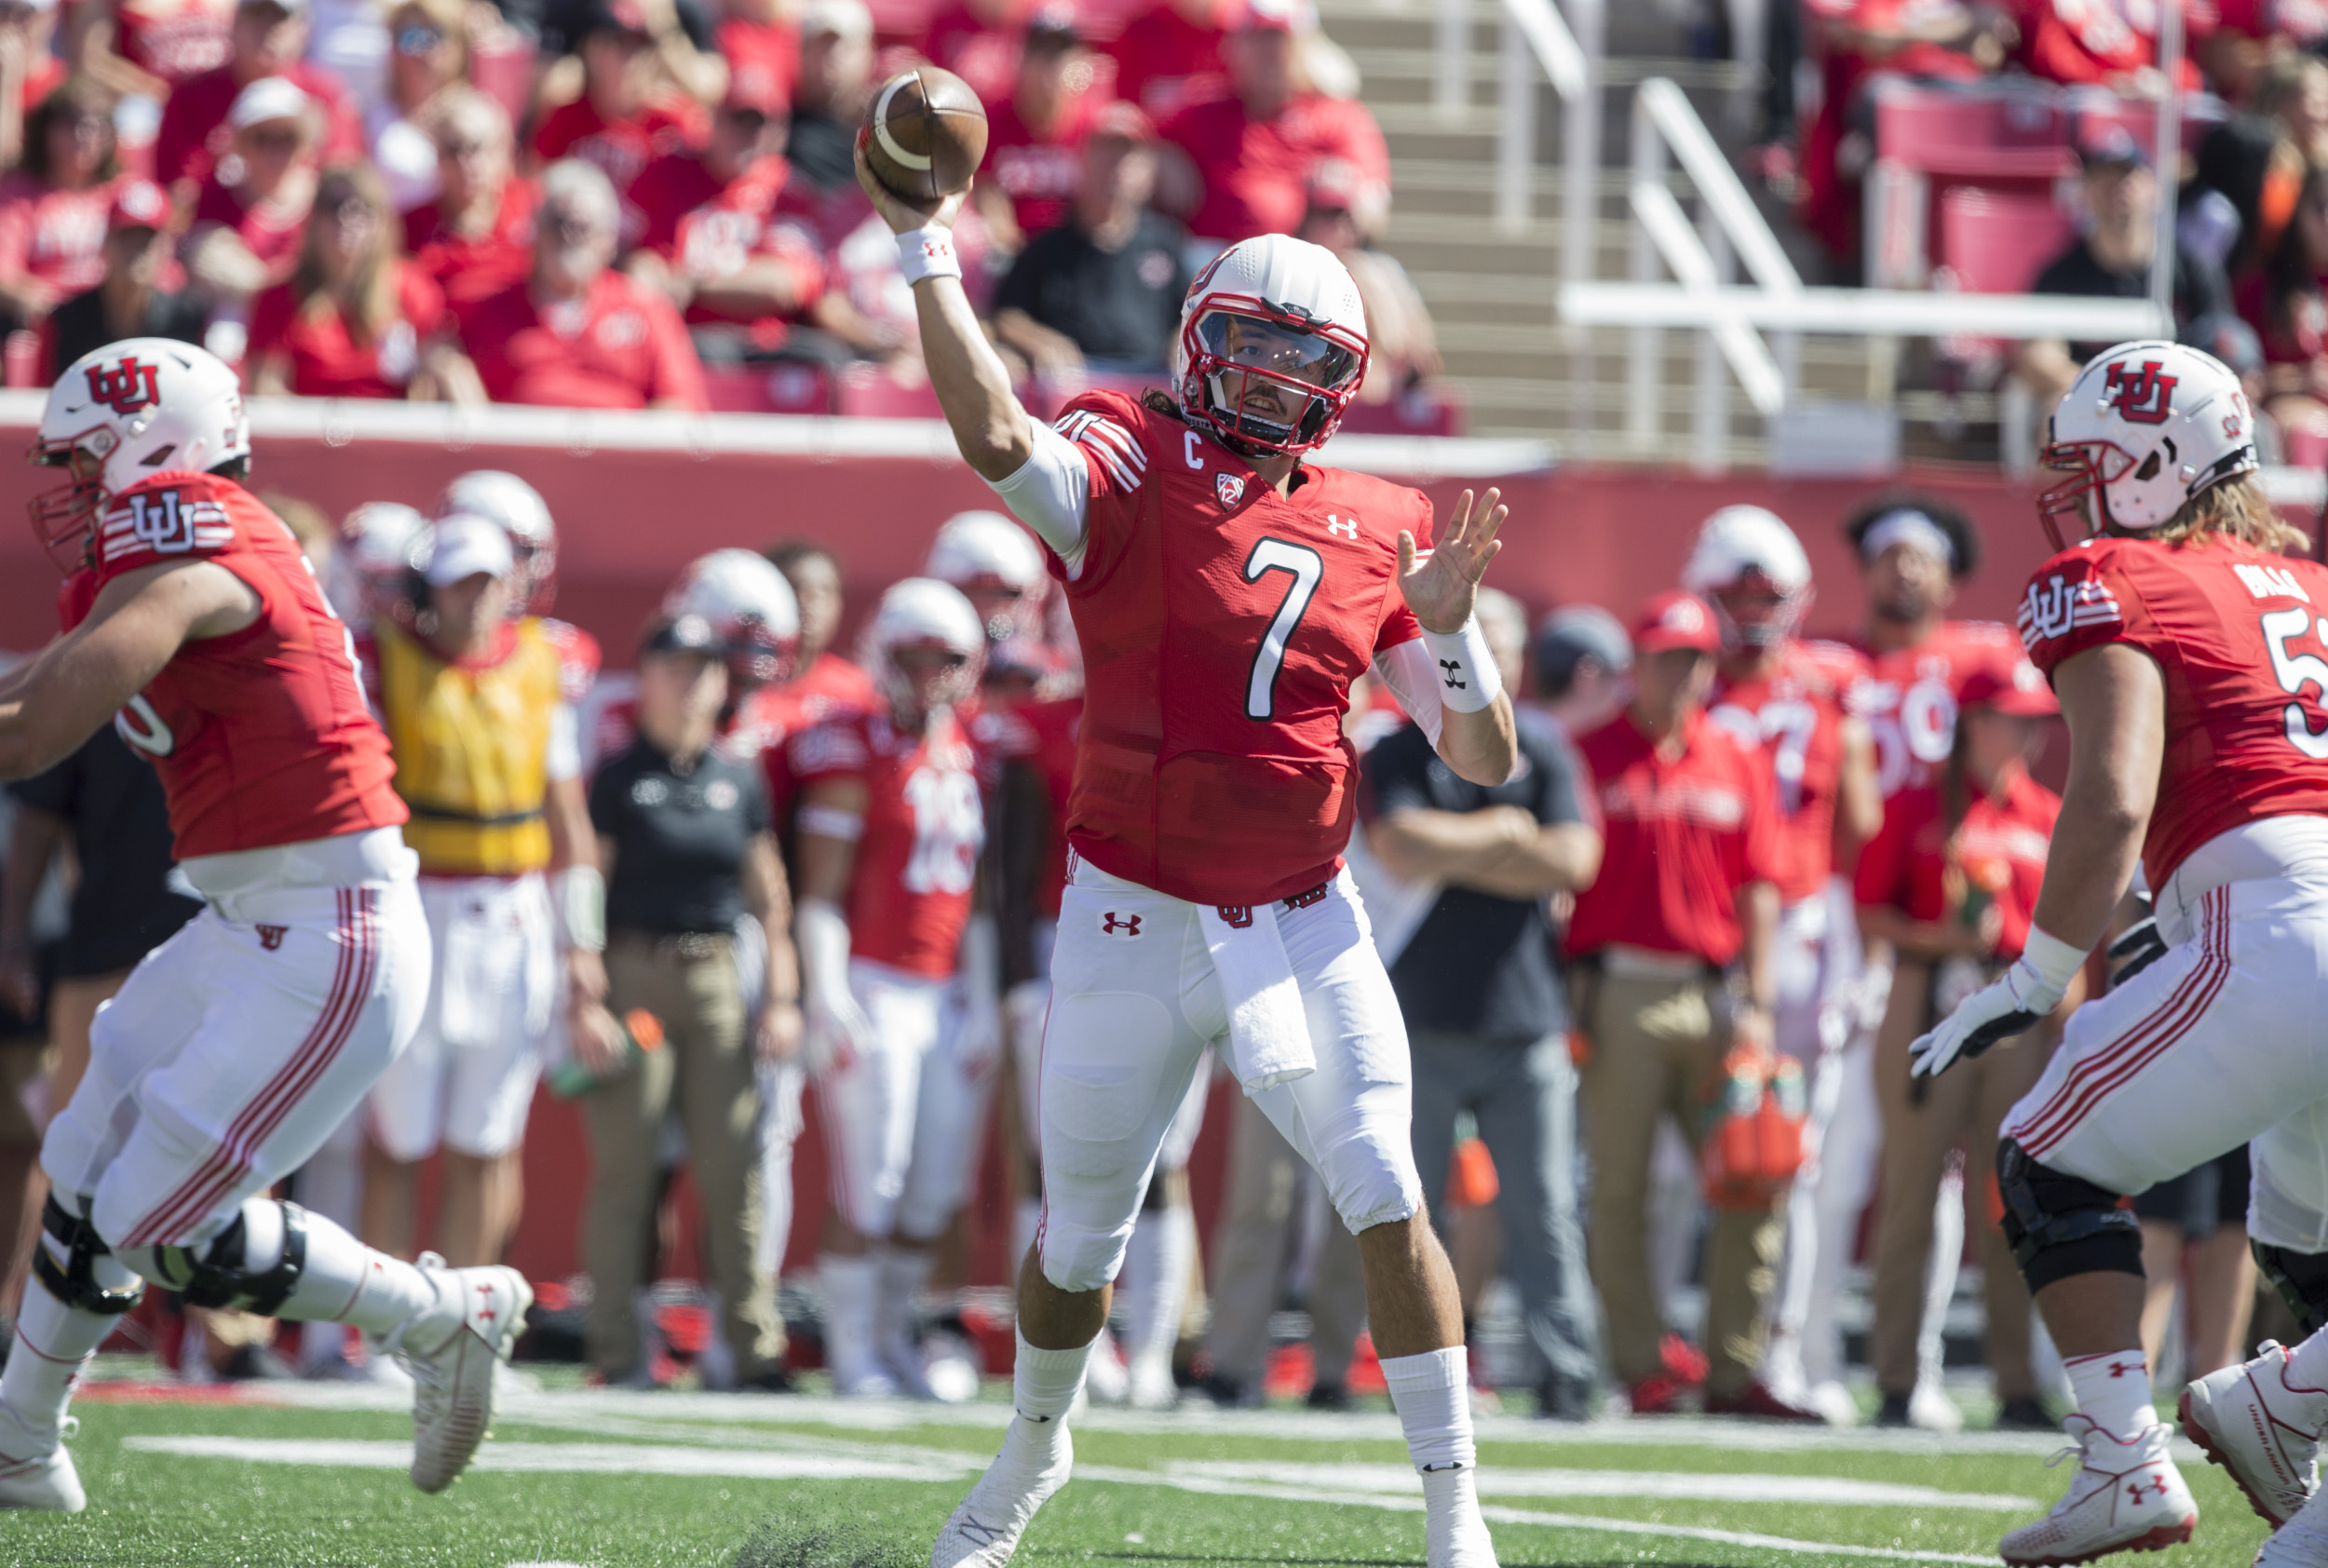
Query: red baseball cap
138,204
1675,620
2016,689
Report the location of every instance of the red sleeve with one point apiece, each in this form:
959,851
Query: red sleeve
270,318
833,750
166,518
557,131
678,373
2081,599
1398,624
1881,882
420,299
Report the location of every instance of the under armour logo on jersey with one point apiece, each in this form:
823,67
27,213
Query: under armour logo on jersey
126,387
2139,393
1347,528
1453,667
1124,458
271,937
1230,488
1126,924
2119,1369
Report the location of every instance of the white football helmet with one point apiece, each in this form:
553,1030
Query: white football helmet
371,567
988,555
524,516
125,413
751,608
1739,540
2143,428
1272,312
924,613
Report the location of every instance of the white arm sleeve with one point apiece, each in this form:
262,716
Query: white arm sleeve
1413,677
564,760
1049,493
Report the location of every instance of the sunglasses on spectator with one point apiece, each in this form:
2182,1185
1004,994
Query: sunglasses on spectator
467,147
414,42
283,140
571,224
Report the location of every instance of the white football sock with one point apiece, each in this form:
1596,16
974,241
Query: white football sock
1162,1245
343,1281
2113,1390
2307,1363
850,1286
1434,1408
53,1343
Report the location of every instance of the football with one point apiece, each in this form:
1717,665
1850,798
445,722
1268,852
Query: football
925,134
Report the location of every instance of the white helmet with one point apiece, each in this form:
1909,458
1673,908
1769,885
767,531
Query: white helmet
1280,312
372,563
1735,541
133,409
925,613
524,516
751,608
2144,429
988,550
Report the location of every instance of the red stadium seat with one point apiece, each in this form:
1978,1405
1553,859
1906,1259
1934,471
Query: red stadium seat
869,392
1427,410
2020,134
1997,241
768,389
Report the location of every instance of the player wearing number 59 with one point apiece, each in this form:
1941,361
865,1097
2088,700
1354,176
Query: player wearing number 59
2187,654
1225,594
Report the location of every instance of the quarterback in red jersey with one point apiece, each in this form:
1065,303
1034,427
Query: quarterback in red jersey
1226,596
1784,699
239,1045
2189,657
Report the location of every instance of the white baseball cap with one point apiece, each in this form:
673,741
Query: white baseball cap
269,98
464,545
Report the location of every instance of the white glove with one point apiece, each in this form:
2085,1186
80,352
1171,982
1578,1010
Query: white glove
834,1028
835,1032
1026,1007
2008,1006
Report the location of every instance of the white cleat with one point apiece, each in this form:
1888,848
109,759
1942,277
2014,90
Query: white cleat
984,1530
1931,1409
36,1470
1106,1381
2126,1496
1455,1536
454,1352
2249,1420
1151,1385
2302,1541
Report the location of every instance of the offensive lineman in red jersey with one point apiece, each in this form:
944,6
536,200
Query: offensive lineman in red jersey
239,1045
1226,597
2187,656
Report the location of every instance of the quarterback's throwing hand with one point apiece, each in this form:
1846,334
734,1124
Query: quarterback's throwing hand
1440,590
2008,1004
903,216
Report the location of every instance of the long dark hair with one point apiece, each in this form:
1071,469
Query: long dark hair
74,93
370,300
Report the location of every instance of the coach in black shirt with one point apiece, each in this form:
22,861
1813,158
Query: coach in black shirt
1470,955
684,841
1101,291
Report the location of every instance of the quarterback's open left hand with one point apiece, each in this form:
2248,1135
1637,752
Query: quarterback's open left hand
2008,1004
1440,590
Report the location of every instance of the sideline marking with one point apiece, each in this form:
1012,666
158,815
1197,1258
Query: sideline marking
1704,1487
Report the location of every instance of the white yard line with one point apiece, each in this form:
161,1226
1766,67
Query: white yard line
1702,1486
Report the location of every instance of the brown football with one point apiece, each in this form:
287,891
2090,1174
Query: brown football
925,134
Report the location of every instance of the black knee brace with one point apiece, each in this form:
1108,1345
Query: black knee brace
2301,1279
73,1282
219,1276
2060,1224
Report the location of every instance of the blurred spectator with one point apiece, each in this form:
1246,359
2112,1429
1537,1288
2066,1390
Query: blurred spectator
578,333
428,60
357,319
268,39
1035,137
251,216
52,209
2113,260
2287,304
979,41
1469,951
760,41
1244,158
2257,159
140,296
624,117
1582,658
715,247
476,237
29,70
1403,346
1103,290
146,47
685,845
1169,54
836,61
2077,43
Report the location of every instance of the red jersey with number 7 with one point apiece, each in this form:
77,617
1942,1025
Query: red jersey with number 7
261,737
1221,626
2239,637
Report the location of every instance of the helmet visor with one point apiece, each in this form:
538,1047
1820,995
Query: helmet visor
1249,343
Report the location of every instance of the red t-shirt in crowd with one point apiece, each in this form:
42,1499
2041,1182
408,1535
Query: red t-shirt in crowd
1793,719
175,41
623,148
271,233
1999,847
762,58
2086,43
980,53
705,229
1040,173
1681,836
1164,61
1256,172
470,270
2234,632
621,346
909,896
54,235
326,361
194,133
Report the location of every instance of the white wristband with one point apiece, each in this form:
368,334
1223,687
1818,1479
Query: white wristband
582,908
927,252
2055,960
1468,679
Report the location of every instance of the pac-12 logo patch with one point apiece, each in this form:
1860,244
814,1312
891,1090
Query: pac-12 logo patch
2139,392
1230,488
127,386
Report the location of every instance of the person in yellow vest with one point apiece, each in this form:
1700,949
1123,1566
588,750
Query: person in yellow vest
478,705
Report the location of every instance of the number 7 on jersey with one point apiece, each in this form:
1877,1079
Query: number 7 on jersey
1306,567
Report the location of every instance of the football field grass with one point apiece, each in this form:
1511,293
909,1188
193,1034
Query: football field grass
304,1476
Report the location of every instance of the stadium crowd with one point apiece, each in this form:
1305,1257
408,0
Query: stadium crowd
1659,986
595,204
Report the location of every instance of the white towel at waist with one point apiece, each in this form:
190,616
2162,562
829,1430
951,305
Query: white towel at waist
1268,1032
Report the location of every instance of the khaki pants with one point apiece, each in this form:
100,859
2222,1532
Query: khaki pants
705,1069
1959,1109
1255,1243
1656,1046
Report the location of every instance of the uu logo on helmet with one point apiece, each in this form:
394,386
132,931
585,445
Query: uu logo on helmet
2140,394
126,387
